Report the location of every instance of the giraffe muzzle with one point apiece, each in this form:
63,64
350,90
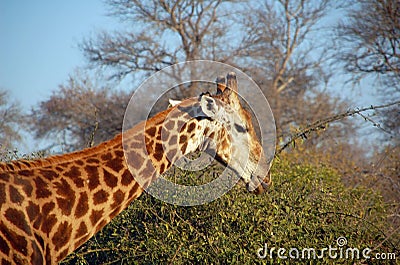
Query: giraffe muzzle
259,185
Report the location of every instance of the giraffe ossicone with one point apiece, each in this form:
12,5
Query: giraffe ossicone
51,206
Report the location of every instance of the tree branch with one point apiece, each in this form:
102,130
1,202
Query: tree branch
322,124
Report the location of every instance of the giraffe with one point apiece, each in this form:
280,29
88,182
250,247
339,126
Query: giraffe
49,207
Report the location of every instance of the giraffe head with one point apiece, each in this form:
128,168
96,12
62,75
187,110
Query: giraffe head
239,146
226,130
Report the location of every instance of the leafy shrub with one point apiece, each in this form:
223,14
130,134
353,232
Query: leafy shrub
307,207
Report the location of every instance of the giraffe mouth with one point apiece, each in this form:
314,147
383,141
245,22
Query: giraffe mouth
254,183
258,184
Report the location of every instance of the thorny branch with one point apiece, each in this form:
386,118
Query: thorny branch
322,124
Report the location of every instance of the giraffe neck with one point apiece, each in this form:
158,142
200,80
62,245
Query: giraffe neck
58,203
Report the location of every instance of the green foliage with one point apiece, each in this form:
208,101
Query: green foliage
306,207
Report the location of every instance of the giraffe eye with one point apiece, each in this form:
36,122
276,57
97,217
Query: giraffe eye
240,128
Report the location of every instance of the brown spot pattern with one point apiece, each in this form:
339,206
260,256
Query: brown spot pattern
4,246
17,218
95,216
151,131
73,173
82,206
66,196
25,173
183,148
101,224
25,184
115,164
118,198
2,193
173,140
15,196
106,156
48,257
36,257
82,230
93,174
18,242
48,224
115,212
100,197
182,139
5,177
135,145
162,168
48,174
63,254
32,210
135,191
126,178
41,188
169,125
191,127
134,159
93,161
6,262
110,180
183,127
62,236
148,171
158,153
119,154
47,208
39,239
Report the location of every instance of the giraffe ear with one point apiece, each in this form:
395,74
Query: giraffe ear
208,106
230,91
174,102
220,84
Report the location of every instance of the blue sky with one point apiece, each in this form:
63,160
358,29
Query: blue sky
39,43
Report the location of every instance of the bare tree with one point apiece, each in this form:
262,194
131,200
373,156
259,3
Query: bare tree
11,120
370,48
391,124
79,114
286,50
370,41
161,33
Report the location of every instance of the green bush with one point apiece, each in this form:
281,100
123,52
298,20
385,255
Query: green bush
307,207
